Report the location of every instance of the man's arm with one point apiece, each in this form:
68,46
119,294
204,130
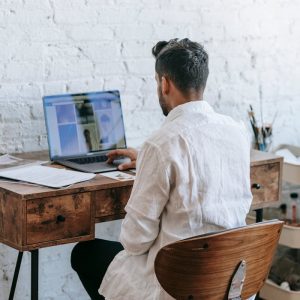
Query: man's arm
149,196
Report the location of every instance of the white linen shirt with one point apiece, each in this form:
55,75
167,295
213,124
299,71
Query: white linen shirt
193,177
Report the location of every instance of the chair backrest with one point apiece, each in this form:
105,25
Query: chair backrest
203,267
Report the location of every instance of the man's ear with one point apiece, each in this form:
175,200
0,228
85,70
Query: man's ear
165,85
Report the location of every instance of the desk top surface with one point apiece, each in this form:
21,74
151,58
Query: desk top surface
26,191
259,157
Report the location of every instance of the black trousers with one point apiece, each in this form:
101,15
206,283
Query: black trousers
90,260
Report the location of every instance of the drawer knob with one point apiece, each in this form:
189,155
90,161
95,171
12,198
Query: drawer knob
256,186
60,218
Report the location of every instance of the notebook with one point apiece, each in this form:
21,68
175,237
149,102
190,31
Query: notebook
83,128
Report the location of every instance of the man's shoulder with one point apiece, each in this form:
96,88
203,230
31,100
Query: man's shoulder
226,119
161,136
229,121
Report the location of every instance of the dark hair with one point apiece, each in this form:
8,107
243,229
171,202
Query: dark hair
182,61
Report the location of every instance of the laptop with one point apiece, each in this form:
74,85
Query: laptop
83,128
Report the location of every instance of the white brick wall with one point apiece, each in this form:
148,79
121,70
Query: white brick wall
54,46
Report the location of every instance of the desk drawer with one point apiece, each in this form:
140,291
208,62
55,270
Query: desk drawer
111,202
64,217
265,184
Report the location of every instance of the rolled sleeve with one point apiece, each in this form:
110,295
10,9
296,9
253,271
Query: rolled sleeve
149,196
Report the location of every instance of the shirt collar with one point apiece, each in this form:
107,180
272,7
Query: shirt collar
200,106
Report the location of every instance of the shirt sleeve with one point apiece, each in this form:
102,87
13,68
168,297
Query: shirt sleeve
148,198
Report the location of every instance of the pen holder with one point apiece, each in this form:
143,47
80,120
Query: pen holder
263,134
263,137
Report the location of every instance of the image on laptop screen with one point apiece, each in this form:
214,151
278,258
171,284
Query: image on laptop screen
83,123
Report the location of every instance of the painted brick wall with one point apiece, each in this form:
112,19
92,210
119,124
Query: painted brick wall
54,46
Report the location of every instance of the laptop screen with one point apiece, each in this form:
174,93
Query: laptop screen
83,123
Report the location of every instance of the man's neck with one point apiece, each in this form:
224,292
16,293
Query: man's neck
182,99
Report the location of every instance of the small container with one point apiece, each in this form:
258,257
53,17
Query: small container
294,198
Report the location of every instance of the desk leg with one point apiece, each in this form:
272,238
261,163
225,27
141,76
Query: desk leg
16,274
259,215
34,274
259,218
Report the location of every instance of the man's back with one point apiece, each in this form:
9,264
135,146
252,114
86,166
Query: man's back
192,178
208,157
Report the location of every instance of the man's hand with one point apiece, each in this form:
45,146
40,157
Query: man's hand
129,152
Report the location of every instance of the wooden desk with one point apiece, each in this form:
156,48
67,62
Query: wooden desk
266,178
33,217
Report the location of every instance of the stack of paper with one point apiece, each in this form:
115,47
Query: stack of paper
47,176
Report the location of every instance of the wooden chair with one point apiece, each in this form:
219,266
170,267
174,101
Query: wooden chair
231,264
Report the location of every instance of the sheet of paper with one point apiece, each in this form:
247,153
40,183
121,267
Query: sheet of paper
117,175
7,159
46,176
288,156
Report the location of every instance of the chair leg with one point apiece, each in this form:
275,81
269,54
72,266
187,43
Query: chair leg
259,218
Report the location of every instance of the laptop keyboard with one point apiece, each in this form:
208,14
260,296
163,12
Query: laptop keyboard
89,159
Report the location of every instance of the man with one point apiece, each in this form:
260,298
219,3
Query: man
193,177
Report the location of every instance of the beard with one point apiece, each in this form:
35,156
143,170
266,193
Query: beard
163,104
